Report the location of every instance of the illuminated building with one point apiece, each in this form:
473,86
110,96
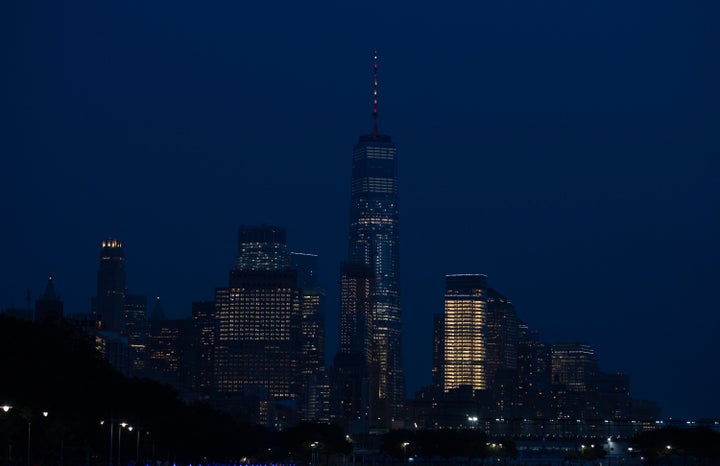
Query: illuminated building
374,240
262,248
258,339
464,332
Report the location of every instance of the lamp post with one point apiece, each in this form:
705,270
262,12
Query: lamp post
120,428
137,445
45,414
110,448
404,447
5,409
313,456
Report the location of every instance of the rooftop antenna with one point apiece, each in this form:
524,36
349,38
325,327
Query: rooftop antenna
375,95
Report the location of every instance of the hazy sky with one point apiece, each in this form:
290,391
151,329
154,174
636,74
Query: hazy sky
569,150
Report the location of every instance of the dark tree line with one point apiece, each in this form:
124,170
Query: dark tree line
56,369
697,445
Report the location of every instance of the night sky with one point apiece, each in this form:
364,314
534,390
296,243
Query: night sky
570,150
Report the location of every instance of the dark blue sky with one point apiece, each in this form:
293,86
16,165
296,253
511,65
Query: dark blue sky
569,150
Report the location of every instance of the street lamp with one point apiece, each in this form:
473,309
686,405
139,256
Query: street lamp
45,414
313,456
120,428
404,447
5,409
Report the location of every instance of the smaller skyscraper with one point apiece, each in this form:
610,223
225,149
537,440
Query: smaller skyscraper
573,367
315,385
354,378
108,305
136,331
464,354
534,374
202,348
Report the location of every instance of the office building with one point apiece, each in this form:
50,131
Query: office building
464,332
258,339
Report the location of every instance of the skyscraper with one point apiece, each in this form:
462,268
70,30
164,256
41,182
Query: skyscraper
259,320
108,305
501,337
354,368
464,332
136,330
315,387
374,241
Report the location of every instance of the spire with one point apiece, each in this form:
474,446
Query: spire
158,312
375,94
50,294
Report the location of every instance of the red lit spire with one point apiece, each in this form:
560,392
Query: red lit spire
375,95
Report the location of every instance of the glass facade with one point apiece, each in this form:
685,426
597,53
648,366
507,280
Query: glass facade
259,319
464,332
374,240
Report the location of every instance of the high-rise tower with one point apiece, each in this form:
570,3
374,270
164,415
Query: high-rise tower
258,339
374,241
464,332
109,304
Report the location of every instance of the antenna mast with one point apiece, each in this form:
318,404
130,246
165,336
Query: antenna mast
375,95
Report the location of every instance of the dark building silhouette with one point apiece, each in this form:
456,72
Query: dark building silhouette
438,345
169,354
534,375
49,307
354,379
314,401
501,336
136,331
202,348
374,240
108,305
573,367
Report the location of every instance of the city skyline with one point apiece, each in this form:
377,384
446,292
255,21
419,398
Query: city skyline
569,153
